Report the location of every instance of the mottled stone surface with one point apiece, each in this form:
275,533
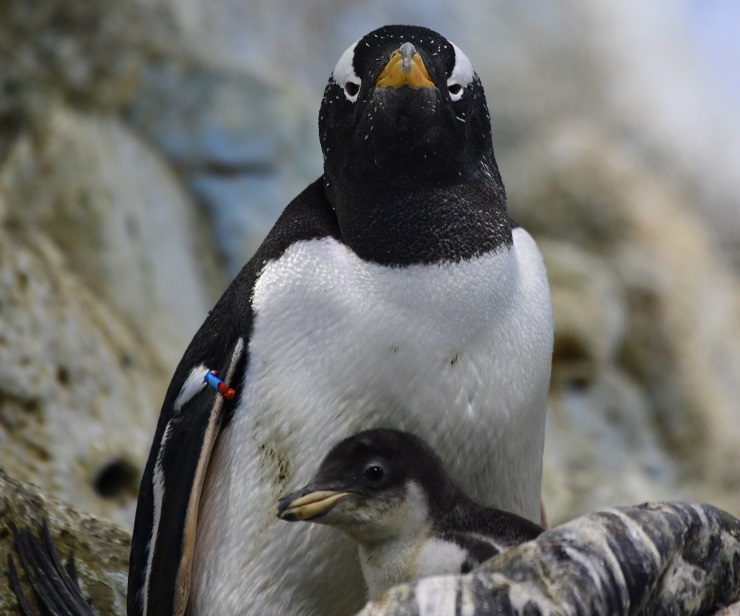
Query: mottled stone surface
108,262
657,558
107,201
243,144
78,388
647,327
100,548
663,558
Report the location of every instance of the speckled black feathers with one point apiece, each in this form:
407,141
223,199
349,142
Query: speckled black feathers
410,172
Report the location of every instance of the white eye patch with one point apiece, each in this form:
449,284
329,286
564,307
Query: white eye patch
344,74
462,75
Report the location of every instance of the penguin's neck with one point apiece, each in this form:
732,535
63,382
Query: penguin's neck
389,563
389,554
422,222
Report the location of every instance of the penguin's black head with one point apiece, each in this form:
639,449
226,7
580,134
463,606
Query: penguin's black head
374,486
404,107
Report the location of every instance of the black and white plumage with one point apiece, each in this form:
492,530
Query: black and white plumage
394,291
390,493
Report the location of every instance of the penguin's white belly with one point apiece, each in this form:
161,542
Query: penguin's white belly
458,354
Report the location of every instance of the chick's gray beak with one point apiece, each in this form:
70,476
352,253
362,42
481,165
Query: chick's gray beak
308,503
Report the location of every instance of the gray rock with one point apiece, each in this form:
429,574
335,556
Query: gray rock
79,51
244,145
100,548
643,301
79,390
301,44
664,558
107,264
590,313
118,214
601,448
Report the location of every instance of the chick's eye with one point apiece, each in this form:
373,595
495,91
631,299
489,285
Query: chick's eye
351,88
455,89
374,473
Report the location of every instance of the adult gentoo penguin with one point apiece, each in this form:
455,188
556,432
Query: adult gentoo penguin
390,493
394,291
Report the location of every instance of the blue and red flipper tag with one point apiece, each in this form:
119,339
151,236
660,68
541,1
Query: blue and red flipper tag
211,377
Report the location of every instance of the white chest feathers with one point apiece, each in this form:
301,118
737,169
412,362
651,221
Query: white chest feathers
403,549
458,353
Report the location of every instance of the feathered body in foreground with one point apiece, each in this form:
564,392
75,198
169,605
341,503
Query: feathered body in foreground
394,291
390,493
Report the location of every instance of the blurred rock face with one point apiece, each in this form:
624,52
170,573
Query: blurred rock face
99,547
647,315
145,150
111,177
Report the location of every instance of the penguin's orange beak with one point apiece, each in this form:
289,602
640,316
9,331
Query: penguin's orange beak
405,68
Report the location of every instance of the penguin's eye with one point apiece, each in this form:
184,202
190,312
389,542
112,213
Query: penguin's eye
374,473
345,76
461,77
352,89
455,90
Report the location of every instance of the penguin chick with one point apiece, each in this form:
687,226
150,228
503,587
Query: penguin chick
389,492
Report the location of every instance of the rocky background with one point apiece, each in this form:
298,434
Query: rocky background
147,146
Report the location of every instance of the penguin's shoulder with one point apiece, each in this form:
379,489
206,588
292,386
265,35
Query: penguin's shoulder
482,532
498,525
308,216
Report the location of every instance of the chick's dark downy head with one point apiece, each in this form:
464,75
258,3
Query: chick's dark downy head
363,486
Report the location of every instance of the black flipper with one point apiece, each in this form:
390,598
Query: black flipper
178,480
161,554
